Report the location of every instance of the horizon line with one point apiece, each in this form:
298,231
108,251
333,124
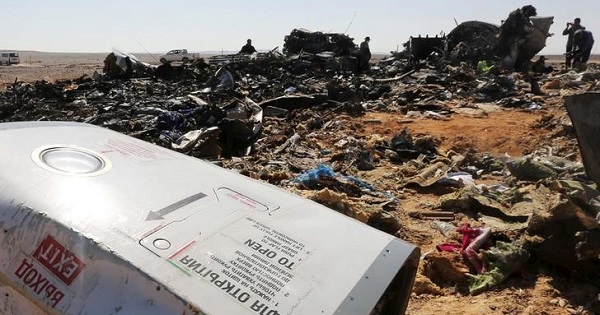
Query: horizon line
190,51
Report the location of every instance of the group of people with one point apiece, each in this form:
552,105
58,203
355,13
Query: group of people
515,29
579,43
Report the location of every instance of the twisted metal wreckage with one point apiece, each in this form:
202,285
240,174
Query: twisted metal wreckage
473,41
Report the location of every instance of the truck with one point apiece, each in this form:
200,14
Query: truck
9,58
95,222
176,55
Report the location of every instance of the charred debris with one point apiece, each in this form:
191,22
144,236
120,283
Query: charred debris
289,119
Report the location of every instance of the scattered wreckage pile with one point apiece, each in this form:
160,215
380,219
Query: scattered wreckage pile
475,41
292,121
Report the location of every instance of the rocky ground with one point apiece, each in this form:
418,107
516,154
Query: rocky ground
385,131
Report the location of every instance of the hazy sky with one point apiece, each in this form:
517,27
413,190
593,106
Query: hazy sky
157,26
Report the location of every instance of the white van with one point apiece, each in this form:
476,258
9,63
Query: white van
95,222
9,58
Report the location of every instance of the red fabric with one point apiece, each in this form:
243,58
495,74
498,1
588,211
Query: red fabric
470,245
468,235
449,247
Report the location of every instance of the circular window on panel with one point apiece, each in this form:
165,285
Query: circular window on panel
71,160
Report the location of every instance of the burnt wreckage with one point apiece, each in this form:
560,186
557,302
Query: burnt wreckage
333,51
473,41
300,40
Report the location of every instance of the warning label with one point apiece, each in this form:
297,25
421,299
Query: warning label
58,260
252,263
133,150
49,271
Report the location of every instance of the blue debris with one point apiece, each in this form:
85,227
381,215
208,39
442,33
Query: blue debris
361,183
310,177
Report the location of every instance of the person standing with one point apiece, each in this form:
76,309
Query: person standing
516,26
570,30
248,48
514,32
583,41
365,54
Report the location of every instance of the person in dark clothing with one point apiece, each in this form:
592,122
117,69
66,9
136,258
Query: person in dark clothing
583,41
365,54
129,67
570,30
516,26
539,66
248,48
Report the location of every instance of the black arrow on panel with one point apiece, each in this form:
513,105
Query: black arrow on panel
159,215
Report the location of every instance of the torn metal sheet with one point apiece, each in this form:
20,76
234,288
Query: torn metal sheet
569,237
472,199
526,45
272,111
501,225
430,174
227,59
583,195
421,47
584,111
240,127
179,235
120,63
302,40
198,138
242,58
478,41
537,36
530,169
224,79
295,101
121,60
